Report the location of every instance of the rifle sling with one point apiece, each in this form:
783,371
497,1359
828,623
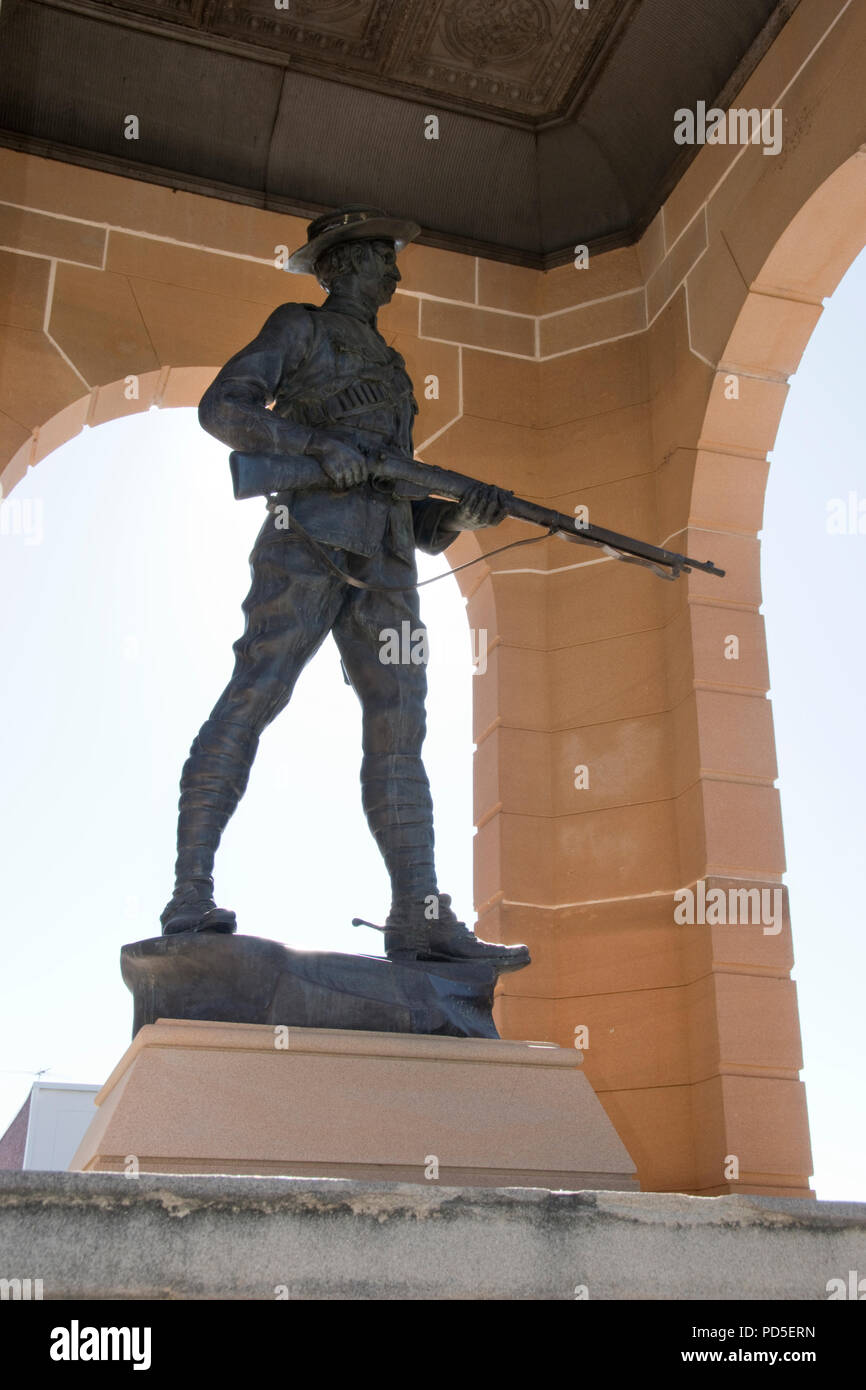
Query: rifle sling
320,551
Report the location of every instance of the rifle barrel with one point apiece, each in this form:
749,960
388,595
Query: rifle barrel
456,485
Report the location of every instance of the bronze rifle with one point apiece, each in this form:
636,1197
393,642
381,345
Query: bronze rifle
256,475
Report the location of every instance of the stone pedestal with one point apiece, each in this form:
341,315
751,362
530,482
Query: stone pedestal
194,1097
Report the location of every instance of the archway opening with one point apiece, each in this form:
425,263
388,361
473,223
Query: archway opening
810,607
813,579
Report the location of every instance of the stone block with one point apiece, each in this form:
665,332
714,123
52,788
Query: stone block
480,328
25,230
598,322
23,289
230,1098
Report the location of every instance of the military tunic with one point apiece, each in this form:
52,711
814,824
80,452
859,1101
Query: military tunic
328,368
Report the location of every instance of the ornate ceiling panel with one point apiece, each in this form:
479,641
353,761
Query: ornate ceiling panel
556,122
521,61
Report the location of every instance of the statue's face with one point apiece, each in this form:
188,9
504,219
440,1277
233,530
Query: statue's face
378,276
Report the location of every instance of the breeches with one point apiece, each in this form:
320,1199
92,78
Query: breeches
292,605
294,602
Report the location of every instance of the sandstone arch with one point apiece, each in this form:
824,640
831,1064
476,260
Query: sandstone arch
604,387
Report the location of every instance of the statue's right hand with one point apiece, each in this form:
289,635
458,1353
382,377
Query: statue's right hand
344,465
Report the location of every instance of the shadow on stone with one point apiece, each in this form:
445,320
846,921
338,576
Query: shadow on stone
249,979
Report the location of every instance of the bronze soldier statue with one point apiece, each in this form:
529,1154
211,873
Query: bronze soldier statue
345,564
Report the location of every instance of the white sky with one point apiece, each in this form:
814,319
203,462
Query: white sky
120,593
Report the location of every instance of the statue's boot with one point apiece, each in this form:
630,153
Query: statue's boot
410,936
212,783
421,924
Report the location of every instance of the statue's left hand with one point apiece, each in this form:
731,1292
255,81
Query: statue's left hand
483,505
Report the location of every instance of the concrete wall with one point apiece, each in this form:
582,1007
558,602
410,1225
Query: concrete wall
647,387
105,1236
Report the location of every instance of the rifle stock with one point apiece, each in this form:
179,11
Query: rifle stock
257,475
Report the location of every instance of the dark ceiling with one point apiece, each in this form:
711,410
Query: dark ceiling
555,123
